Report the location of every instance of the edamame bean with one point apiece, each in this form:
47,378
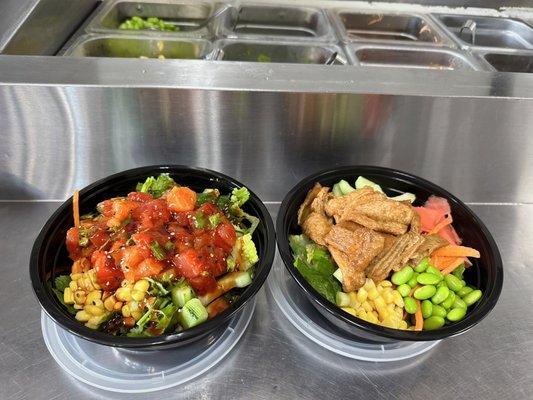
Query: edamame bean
433,323
453,282
426,278
442,294
439,311
432,270
458,272
412,282
464,291
402,276
425,292
427,308
472,297
410,305
441,284
422,265
458,303
404,289
456,314
449,300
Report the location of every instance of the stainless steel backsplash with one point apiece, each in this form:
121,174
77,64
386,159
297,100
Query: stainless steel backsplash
55,139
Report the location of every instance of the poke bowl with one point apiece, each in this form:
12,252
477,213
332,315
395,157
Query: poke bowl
153,257
386,256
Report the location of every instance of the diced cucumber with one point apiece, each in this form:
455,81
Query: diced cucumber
342,299
193,313
243,279
362,182
181,294
410,197
338,274
336,190
345,187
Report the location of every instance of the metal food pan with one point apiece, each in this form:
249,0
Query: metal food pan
412,57
123,46
488,32
188,16
510,62
264,51
376,26
275,22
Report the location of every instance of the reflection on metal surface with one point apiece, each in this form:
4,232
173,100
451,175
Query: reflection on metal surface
479,149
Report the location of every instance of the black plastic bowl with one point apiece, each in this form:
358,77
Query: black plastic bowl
486,274
49,256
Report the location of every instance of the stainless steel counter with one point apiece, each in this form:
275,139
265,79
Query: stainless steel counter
273,360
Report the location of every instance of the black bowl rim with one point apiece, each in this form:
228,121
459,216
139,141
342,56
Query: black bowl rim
487,303
57,314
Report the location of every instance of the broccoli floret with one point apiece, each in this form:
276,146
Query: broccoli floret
244,254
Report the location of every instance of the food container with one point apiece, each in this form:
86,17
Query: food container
489,32
276,22
49,256
516,62
412,57
128,46
485,273
188,16
378,26
264,51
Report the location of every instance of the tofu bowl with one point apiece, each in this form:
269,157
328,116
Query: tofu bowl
386,256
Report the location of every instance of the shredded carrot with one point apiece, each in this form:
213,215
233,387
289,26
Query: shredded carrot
76,208
413,290
452,266
419,320
445,222
441,262
456,251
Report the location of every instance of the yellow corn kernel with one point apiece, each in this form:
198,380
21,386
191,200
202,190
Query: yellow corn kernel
73,286
402,325
388,297
68,297
79,296
362,295
390,322
397,298
109,303
118,306
379,289
391,308
385,283
370,317
137,295
349,310
105,295
126,312
83,316
399,312
141,285
137,314
91,326
379,302
98,319
93,296
373,293
369,284
123,294
93,310
78,306
367,306
362,314
75,277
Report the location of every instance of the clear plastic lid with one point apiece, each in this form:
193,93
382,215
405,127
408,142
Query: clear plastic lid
303,315
130,371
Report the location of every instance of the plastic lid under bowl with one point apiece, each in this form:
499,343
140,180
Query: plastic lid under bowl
129,371
301,313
